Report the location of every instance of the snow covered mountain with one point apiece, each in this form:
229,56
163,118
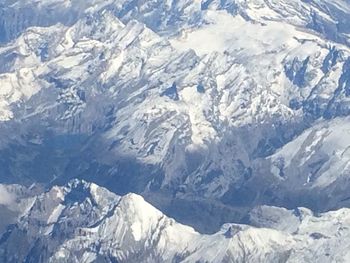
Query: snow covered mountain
208,109
82,222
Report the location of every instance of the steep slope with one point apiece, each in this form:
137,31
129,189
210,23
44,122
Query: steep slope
14,202
82,222
181,101
317,159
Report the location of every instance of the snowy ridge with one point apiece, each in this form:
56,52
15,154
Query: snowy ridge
317,159
193,101
83,222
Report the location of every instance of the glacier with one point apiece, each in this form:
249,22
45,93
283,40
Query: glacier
210,110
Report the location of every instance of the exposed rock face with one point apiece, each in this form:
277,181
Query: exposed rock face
82,222
212,107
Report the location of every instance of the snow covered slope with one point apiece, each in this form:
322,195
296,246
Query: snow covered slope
180,101
82,222
317,159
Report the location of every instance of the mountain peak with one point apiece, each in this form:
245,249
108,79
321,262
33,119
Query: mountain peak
215,111
130,228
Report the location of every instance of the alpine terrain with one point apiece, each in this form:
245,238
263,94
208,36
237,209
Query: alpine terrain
174,131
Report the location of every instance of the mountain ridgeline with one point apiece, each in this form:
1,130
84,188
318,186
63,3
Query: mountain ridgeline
210,110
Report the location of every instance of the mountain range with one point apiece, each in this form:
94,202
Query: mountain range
82,222
230,116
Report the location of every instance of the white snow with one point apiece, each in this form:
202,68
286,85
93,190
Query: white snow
331,139
278,232
240,60
55,214
6,198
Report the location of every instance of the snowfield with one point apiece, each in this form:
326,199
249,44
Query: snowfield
227,114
